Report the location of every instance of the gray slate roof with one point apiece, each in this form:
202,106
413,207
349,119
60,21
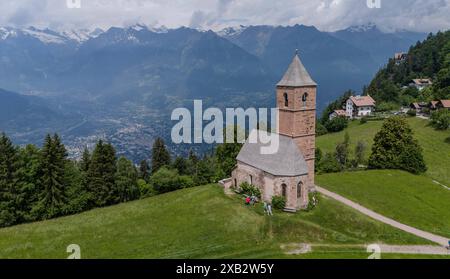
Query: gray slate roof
296,75
288,161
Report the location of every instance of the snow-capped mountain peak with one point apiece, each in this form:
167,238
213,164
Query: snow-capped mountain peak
82,35
232,31
48,36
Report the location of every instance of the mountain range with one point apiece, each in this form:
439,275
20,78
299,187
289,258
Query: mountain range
122,83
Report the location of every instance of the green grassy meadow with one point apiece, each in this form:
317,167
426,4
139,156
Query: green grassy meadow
435,144
411,199
200,222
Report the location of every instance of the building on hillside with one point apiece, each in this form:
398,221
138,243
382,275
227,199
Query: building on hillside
418,107
399,57
432,105
337,113
290,171
359,106
443,104
421,83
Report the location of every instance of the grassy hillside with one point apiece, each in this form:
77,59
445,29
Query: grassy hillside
435,144
411,199
199,222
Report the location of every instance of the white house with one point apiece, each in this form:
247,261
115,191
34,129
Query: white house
421,83
336,113
358,106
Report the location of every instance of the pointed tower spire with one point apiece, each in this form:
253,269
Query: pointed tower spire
296,75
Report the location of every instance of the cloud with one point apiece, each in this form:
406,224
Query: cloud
417,15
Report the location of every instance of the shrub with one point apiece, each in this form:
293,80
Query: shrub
313,201
426,111
250,190
440,119
411,112
329,163
166,180
145,189
337,124
320,129
387,106
363,120
278,202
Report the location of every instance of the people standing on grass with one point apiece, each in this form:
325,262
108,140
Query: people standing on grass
269,210
247,200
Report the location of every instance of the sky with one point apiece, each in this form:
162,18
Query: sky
326,15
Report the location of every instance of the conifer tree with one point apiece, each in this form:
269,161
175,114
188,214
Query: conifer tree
181,165
29,180
52,192
8,181
100,176
144,170
160,155
85,160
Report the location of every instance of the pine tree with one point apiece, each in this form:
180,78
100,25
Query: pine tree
85,160
8,181
144,170
181,165
126,181
100,176
192,166
52,192
29,180
160,155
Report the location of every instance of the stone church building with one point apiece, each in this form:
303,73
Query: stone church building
290,171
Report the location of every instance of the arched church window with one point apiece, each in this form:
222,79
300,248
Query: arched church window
286,100
299,189
304,99
284,190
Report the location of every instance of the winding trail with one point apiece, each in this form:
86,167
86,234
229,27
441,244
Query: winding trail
442,241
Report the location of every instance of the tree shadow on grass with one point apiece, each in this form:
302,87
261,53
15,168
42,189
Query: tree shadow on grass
447,140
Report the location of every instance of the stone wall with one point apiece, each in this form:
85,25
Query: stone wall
271,185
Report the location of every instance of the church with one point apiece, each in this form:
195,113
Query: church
290,171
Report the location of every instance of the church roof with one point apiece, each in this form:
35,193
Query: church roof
296,75
287,161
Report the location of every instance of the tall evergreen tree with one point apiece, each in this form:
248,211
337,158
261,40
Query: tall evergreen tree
85,160
181,165
192,163
144,170
8,181
126,181
160,155
100,176
52,192
29,180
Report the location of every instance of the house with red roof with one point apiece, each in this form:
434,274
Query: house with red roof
443,104
359,106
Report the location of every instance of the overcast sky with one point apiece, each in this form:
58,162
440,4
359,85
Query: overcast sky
417,15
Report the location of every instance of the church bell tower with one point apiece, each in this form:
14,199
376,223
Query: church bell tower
296,103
